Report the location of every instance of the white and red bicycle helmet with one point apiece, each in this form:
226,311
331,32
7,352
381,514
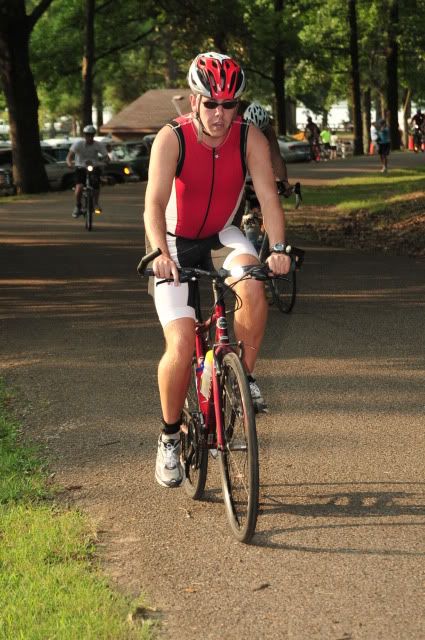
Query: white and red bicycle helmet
256,114
217,76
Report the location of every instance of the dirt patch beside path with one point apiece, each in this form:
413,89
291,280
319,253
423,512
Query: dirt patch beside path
399,230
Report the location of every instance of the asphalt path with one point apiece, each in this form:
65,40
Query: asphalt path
340,548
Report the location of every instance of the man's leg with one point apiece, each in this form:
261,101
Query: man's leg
78,192
250,320
175,366
96,190
249,325
174,373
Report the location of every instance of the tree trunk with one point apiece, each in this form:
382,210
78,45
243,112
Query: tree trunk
325,116
99,107
392,75
88,64
367,120
279,87
291,115
279,77
355,79
407,112
19,89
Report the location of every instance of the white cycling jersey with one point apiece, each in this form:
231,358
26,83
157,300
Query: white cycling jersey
84,152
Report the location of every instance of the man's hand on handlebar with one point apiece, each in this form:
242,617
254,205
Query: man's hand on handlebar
165,268
279,263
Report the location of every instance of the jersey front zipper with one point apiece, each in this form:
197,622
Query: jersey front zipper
211,192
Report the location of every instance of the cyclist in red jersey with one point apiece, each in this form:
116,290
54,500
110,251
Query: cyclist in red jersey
196,181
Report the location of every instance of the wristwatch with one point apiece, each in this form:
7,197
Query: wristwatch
280,247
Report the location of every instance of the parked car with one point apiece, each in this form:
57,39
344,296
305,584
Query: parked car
135,153
120,170
7,188
57,147
294,150
60,176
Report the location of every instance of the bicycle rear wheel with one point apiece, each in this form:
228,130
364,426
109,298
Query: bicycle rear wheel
194,446
239,457
284,291
264,249
89,211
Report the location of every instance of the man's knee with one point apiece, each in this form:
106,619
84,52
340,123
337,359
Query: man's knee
180,339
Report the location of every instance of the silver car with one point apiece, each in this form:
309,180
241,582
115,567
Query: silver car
60,176
294,150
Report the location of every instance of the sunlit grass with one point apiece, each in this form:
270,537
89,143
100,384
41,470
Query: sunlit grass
50,586
374,193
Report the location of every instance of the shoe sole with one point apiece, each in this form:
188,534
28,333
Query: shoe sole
260,408
171,484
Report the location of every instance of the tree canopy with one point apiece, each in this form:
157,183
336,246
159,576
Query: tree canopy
84,52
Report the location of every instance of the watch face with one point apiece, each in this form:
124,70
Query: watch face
279,246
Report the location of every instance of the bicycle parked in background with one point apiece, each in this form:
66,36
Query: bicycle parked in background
283,290
218,415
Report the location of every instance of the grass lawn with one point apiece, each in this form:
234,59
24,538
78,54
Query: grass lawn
384,212
374,193
50,586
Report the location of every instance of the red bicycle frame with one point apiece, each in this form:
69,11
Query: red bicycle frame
211,407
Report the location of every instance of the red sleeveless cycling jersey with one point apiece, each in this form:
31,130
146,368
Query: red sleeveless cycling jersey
209,183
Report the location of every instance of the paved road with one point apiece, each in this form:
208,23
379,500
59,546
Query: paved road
340,549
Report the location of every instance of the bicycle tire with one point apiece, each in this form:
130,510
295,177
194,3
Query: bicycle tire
264,249
89,212
194,446
239,467
284,291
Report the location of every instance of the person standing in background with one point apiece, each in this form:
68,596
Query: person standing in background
334,145
384,144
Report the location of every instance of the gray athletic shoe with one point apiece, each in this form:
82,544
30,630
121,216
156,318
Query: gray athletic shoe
76,213
258,401
168,469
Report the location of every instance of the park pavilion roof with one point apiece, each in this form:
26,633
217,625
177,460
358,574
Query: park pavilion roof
147,114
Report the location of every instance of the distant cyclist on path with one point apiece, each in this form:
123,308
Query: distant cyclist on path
81,152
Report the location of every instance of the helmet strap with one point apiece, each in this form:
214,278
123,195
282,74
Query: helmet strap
199,124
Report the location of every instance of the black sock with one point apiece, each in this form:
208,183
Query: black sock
250,378
170,429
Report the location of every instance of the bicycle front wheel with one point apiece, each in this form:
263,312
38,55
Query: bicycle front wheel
239,456
89,212
284,291
194,445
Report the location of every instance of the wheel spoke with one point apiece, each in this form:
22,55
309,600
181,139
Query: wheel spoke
194,447
239,458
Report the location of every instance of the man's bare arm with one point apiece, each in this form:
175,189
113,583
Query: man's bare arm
70,158
261,171
278,163
162,170
260,168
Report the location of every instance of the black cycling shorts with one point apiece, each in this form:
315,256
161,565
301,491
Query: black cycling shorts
80,176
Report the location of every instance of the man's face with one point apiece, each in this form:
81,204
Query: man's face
89,138
216,116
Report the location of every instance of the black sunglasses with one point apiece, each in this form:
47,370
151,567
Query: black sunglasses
213,104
